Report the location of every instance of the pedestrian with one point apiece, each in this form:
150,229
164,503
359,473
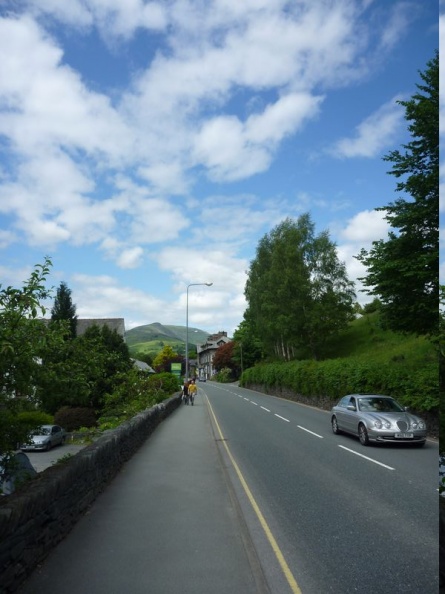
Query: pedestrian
185,392
193,389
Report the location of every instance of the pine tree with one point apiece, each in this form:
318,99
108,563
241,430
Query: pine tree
64,309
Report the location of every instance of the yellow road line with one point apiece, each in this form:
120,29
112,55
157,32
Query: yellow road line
273,543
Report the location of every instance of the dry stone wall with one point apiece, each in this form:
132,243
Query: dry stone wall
36,518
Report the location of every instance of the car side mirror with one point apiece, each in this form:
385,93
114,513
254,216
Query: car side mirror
351,407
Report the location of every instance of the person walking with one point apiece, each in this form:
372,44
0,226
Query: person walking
193,389
185,392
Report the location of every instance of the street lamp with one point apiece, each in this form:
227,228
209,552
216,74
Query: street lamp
187,326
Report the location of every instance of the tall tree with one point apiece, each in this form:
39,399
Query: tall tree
23,339
64,309
297,291
403,271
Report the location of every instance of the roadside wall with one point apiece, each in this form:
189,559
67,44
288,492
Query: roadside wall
36,518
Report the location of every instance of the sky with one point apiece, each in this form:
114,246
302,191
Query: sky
149,146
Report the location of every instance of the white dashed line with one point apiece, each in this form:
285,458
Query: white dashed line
247,399
252,402
311,432
266,409
366,458
287,420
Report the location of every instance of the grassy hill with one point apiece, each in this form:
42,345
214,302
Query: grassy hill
365,338
151,338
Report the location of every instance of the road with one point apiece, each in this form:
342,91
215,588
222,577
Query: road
43,460
346,518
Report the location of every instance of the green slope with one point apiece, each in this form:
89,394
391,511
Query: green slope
153,337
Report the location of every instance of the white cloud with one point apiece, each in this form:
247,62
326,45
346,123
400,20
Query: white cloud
365,227
130,258
374,134
233,150
112,17
359,232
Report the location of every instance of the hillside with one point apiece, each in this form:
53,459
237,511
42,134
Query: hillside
151,338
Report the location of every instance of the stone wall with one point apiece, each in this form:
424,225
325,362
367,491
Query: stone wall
37,517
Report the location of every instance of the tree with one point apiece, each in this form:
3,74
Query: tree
403,271
297,290
64,309
23,338
248,348
161,363
223,358
82,371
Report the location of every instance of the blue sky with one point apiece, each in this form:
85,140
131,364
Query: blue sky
145,146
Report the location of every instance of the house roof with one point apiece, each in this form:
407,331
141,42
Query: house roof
143,366
117,324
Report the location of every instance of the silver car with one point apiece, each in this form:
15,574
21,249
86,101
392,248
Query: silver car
379,419
45,437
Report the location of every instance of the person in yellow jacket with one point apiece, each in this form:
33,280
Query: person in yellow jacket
193,389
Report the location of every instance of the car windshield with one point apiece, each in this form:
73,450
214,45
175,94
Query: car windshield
376,404
42,431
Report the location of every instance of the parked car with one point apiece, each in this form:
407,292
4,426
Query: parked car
379,419
44,438
15,469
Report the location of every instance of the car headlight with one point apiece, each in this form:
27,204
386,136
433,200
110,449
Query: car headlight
418,425
379,424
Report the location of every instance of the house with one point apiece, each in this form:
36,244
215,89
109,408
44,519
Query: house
83,324
117,324
207,351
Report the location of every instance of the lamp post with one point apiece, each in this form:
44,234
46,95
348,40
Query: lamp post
187,326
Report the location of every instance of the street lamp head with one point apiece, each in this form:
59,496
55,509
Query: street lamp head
209,284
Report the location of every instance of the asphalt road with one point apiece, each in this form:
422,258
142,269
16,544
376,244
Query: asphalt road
347,518
43,460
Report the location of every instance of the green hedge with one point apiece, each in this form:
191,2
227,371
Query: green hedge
416,388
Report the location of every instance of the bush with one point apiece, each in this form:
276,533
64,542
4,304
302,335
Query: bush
334,378
35,418
163,385
224,376
73,418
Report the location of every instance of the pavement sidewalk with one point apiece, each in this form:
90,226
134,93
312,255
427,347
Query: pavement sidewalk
167,524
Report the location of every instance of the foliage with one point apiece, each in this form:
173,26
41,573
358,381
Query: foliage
441,350
75,418
248,348
23,339
163,384
134,392
224,357
81,371
404,270
141,356
162,361
372,360
224,376
64,309
22,334
297,291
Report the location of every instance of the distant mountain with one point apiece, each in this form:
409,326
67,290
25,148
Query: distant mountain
152,337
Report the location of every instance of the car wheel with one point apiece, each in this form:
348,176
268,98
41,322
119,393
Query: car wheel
334,424
48,446
420,444
363,435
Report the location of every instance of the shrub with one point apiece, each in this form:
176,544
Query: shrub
73,418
